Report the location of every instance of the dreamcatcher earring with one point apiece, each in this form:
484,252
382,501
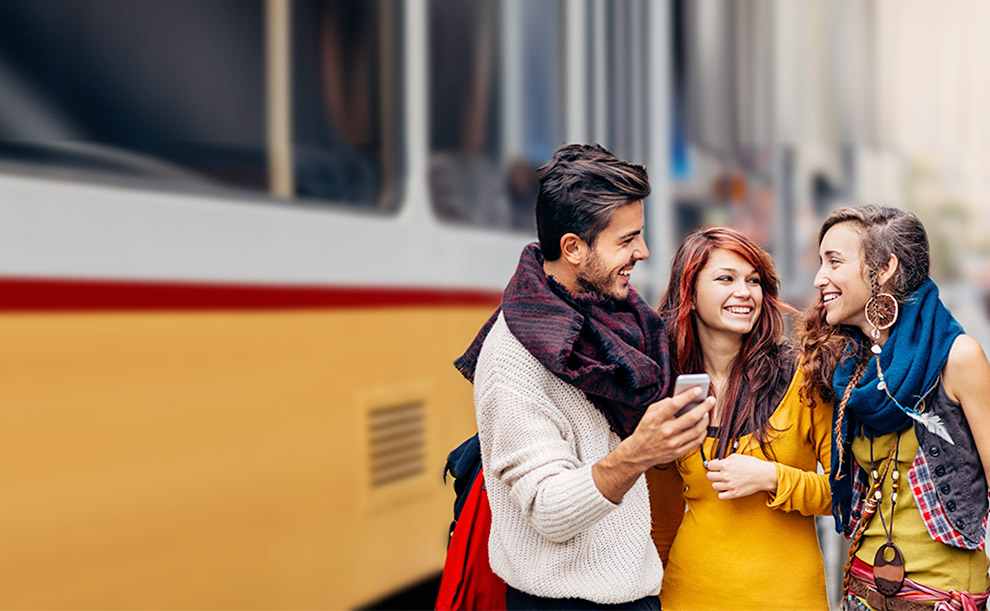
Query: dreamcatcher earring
881,312
888,575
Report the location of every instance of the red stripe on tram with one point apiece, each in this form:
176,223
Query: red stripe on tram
60,295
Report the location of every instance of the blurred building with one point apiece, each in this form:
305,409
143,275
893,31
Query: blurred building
242,241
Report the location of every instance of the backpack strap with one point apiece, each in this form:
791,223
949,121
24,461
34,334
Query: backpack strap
464,464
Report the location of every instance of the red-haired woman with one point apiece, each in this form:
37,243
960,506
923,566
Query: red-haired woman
747,539
911,439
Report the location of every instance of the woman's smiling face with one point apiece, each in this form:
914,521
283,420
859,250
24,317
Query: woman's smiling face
841,278
728,295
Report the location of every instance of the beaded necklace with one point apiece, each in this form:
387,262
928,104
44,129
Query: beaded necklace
888,574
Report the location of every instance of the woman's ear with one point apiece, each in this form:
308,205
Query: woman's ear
888,270
573,248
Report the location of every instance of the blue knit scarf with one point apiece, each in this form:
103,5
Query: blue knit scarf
912,359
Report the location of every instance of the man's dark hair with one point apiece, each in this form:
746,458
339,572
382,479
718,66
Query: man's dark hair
580,188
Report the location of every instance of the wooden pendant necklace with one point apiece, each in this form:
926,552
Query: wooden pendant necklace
888,574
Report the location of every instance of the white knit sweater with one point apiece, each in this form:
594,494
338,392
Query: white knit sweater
553,533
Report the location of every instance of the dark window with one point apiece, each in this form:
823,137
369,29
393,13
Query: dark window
346,100
174,91
496,107
157,89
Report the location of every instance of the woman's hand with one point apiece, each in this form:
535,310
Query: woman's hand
739,475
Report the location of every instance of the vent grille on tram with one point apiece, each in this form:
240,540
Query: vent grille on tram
397,443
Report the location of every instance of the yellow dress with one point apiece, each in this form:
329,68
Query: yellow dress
757,552
926,561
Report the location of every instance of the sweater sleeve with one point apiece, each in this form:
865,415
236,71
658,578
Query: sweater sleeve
666,506
530,454
807,492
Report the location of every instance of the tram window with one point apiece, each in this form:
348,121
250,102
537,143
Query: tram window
346,136
169,90
173,91
496,107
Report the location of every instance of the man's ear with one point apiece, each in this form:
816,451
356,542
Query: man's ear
887,271
573,248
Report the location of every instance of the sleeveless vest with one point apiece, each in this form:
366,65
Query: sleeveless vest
955,468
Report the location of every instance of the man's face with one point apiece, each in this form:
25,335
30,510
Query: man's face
619,246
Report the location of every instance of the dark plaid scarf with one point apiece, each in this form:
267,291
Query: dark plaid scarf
615,351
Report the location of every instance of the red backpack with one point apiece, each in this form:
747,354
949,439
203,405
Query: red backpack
468,581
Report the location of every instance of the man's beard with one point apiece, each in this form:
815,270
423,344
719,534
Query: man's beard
596,278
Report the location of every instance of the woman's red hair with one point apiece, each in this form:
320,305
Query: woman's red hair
763,357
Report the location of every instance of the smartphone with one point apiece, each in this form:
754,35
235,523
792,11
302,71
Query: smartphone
690,380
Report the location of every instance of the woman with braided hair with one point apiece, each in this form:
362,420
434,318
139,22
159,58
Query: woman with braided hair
911,430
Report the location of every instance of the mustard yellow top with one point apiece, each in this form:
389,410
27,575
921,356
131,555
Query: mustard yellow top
756,552
926,561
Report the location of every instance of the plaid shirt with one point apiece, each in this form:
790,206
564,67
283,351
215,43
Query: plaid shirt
932,512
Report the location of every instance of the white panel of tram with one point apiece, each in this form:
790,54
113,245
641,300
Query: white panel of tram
53,229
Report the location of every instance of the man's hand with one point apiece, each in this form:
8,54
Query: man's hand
739,475
659,438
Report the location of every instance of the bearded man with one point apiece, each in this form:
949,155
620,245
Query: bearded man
569,378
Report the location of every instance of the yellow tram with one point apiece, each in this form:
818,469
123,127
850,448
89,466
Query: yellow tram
241,243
